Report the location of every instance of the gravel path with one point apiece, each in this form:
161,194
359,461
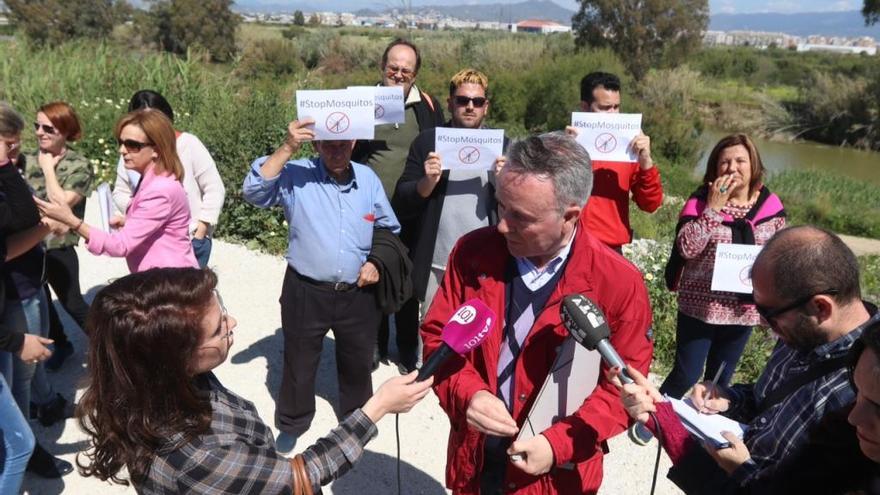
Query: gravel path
250,283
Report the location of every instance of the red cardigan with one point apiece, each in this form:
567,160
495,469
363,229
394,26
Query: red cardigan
608,208
476,269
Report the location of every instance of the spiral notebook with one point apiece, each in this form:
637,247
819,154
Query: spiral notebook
706,427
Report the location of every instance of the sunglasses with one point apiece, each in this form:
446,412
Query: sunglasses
132,145
463,101
768,313
48,129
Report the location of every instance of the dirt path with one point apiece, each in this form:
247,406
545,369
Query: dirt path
862,245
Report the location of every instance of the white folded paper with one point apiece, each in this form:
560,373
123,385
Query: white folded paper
733,267
468,149
607,136
339,113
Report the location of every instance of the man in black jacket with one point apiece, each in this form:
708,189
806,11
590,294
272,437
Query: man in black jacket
386,152
437,206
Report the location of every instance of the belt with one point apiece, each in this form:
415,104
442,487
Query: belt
335,286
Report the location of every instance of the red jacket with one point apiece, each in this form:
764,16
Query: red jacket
607,214
476,269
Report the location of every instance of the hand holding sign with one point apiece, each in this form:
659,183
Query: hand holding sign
641,147
298,133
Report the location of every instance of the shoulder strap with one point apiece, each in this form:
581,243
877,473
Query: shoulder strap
300,481
813,373
427,98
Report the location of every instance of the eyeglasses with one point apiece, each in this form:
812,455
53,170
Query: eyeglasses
132,145
48,129
478,102
769,313
390,70
223,330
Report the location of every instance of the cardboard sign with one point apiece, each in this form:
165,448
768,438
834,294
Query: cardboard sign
733,267
468,149
608,136
389,104
339,113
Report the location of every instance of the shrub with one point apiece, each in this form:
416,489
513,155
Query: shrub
177,26
52,22
818,197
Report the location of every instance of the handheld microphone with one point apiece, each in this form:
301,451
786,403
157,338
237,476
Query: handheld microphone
464,332
586,323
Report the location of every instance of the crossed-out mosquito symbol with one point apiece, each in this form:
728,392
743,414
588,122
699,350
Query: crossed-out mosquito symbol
469,155
380,111
337,122
745,275
606,143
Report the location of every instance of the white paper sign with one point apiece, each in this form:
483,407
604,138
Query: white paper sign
607,136
389,104
733,267
105,202
339,113
468,149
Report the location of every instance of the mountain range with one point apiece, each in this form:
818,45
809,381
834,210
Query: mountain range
846,23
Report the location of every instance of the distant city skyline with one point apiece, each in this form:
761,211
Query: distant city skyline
715,6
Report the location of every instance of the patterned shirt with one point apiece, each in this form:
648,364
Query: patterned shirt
782,429
74,174
697,241
237,453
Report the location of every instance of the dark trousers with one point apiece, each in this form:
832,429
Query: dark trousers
698,343
406,323
62,270
308,311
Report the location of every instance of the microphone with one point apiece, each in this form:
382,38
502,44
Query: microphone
464,332
586,323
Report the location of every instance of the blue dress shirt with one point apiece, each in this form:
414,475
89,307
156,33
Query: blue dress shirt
331,224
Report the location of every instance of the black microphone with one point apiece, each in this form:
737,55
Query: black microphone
586,323
465,331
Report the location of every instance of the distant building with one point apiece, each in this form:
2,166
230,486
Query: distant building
809,47
541,27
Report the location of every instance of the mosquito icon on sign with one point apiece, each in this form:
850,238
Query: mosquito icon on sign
337,122
606,143
745,275
469,155
380,111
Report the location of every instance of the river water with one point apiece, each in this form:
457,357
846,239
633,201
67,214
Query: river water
858,164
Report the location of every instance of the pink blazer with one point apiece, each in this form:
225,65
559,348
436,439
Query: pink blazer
156,230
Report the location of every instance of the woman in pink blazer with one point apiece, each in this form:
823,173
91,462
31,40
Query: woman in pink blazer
156,229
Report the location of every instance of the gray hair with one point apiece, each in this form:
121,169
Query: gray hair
561,159
11,122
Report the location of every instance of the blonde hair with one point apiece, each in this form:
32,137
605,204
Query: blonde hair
159,130
468,76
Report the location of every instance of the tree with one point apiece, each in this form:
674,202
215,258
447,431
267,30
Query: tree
54,21
643,33
314,20
298,18
871,11
177,25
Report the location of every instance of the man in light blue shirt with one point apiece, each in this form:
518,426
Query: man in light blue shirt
332,206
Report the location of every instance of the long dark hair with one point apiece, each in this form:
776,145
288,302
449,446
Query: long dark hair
144,330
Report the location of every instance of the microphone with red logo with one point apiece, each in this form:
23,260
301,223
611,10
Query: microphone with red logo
464,332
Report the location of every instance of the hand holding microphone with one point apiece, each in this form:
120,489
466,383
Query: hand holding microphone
464,332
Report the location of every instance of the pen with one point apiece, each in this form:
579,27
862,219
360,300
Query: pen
717,376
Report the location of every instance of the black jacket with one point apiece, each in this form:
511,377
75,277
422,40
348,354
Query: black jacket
420,217
395,278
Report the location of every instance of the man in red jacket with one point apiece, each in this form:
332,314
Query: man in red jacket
522,268
608,215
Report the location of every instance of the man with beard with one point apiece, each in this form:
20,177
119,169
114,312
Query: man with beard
437,206
806,286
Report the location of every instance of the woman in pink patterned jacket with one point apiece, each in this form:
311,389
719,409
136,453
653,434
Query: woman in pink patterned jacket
156,229
733,206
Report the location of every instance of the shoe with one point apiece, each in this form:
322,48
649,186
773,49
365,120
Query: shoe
640,434
285,442
44,464
59,355
57,409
